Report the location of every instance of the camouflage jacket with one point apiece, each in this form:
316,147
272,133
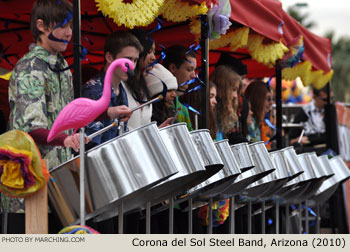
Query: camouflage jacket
36,95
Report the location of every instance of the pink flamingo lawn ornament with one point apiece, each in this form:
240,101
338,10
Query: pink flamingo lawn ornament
82,111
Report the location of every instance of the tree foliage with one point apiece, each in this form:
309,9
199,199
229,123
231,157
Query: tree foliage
341,66
340,82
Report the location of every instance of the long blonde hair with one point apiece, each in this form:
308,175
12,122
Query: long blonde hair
226,81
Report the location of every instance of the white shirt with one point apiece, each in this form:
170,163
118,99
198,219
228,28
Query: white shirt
139,117
315,123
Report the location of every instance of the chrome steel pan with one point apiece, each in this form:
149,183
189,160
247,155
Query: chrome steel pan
329,186
118,170
224,178
249,175
243,156
263,164
191,169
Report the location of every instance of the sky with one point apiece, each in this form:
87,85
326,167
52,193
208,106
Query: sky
327,14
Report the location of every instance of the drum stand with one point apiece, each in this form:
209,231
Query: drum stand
263,229
190,216
120,207
4,221
210,216
249,217
171,215
148,217
232,215
306,217
120,218
82,177
300,218
277,215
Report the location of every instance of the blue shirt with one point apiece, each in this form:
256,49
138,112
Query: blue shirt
93,90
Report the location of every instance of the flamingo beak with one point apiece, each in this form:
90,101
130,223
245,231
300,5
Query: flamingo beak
130,72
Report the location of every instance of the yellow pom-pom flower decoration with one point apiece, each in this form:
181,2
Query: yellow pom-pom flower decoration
319,79
180,11
138,13
143,12
235,39
304,70
266,53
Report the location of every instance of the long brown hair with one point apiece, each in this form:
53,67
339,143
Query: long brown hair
256,94
212,115
226,81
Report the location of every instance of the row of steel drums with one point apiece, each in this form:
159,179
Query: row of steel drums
150,165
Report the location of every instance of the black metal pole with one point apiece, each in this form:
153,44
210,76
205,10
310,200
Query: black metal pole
328,116
279,105
76,48
204,43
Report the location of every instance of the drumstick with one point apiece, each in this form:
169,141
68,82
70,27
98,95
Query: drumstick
114,124
146,103
301,136
175,116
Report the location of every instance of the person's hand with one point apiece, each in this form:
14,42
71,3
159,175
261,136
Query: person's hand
304,140
123,112
73,141
166,122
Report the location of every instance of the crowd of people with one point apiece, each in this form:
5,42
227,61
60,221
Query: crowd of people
240,109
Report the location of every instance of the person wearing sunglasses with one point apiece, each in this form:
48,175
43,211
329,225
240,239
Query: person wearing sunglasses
312,116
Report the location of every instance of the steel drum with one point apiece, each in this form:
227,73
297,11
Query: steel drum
224,178
263,163
288,158
329,186
243,157
286,170
324,169
191,169
118,170
320,173
298,185
249,175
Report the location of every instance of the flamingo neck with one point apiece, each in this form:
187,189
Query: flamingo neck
110,79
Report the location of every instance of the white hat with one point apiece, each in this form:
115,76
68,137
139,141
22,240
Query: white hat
155,78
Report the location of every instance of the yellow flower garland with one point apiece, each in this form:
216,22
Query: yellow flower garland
302,70
138,13
318,78
234,39
143,12
267,54
179,11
